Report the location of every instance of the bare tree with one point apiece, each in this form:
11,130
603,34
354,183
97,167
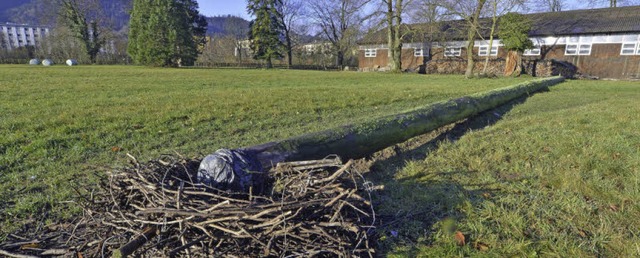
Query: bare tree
548,5
394,12
61,44
222,49
499,8
292,12
238,30
430,13
611,3
426,11
338,20
74,14
469,11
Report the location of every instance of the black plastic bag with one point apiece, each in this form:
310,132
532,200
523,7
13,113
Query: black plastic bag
234,170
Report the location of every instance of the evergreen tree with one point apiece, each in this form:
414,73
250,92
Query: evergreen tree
266,30
165,32
514,34
87,32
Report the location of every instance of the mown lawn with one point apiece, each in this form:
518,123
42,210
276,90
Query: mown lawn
556,176
59,126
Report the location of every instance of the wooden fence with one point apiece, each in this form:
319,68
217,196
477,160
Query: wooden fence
262,66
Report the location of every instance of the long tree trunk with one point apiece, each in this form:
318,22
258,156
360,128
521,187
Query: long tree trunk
471,37
269,64
340,59
494,21
289,48
390,35
394,23
359,140
470,62
398,36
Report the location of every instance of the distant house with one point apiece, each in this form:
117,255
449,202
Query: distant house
243,48
315,47
598,42
21,35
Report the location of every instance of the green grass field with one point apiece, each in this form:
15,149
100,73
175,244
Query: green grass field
59,126
556,176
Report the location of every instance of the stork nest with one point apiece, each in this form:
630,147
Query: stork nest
309,208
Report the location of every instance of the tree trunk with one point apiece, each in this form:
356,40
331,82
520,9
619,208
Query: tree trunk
471,37
147,234
269,64
470,62
340,59
397,59
397,39
359,140
394,22
494,21
511,63
390,35
289,49
518,70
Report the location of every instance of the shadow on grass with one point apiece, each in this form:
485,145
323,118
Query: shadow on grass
413,208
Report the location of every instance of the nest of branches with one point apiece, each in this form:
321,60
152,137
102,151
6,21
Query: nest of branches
309,208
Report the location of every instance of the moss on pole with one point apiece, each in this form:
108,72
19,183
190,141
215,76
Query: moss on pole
359,140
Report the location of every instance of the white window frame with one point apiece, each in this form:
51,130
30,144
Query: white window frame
532,51
584,49
370,52
483,50
452,51
581,49
419,52
635,50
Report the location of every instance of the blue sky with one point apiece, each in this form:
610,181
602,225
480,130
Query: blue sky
224,7
238,7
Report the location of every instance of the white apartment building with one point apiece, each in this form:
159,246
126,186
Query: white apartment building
21,35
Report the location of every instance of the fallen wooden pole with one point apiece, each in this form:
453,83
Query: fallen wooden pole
8,254
358,140
128,249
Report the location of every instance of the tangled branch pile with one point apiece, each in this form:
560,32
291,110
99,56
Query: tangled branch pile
157,209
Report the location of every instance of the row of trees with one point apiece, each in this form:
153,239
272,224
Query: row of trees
343,22
172,32
278,23
86,30
340,23
160,33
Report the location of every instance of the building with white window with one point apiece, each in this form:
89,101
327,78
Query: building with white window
597,42
21,35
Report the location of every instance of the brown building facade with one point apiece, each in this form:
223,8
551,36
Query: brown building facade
604,43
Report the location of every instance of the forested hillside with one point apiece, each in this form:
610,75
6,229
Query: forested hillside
226,25
114,12
7,5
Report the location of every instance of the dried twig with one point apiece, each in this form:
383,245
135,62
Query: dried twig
315,207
